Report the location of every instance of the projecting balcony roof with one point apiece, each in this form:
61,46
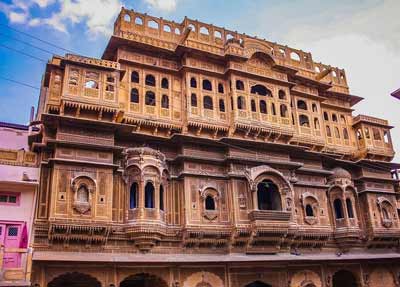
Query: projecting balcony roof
205,258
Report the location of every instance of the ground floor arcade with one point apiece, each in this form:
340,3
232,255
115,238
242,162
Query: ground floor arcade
174,271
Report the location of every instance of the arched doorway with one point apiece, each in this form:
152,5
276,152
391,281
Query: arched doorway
258,284
344,278
74,279
143,280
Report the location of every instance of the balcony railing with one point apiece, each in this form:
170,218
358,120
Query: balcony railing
20,275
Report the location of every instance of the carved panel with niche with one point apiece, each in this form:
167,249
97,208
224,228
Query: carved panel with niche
83,187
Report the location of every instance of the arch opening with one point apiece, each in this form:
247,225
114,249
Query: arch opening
268,196
143,280
74,279
344,278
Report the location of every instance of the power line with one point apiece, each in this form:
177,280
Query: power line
23,53
38,39
19,83
27,43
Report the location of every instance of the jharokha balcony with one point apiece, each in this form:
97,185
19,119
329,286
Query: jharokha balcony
15,266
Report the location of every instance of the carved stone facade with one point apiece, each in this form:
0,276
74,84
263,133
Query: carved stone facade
191,155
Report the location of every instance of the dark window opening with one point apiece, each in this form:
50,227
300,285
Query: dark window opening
253,105
282,95
349,207
134,96
263,107
222,105
193,83
239,85
309,210
165,102
304,122
193,100
150,80
210,203
150,98
164,83
284,111
133,196
241,104
135,77
161,198
207,85
220,88
301,105
149,195
337,205
268,196
260,90
208,103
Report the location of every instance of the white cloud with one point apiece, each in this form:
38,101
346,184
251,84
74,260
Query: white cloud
97,15
162,5
366,44
18,18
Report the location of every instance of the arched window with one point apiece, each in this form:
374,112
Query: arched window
273,109
133,196
367,135
134,95
239,85
135,77
386,136
149,195
193,100
328,131
349,207
314,108
241,103
221,105
152,24
193,83
284,111
359,134
337,134
345,134
268,196
207,85
82,194
220,88
304,122
326,117
91,84
162,197
316,124
301,105
334,118
309,210
164,83
342,119
377,134
208,103
138,21
385,213
282,95
260,90
127,18
209,203
167,28
165,102
253,105
150,98
337,205
263,107
150,80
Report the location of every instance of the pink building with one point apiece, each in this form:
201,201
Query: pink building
18,184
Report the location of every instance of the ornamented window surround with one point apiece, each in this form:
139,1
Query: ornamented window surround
90,184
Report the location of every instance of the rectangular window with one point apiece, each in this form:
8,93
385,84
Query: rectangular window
9,198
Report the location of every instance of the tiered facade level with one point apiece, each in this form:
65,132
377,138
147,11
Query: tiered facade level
191,155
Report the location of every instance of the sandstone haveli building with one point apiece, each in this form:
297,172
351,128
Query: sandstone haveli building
192,155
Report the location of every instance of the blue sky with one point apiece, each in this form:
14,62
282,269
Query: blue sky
361,36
